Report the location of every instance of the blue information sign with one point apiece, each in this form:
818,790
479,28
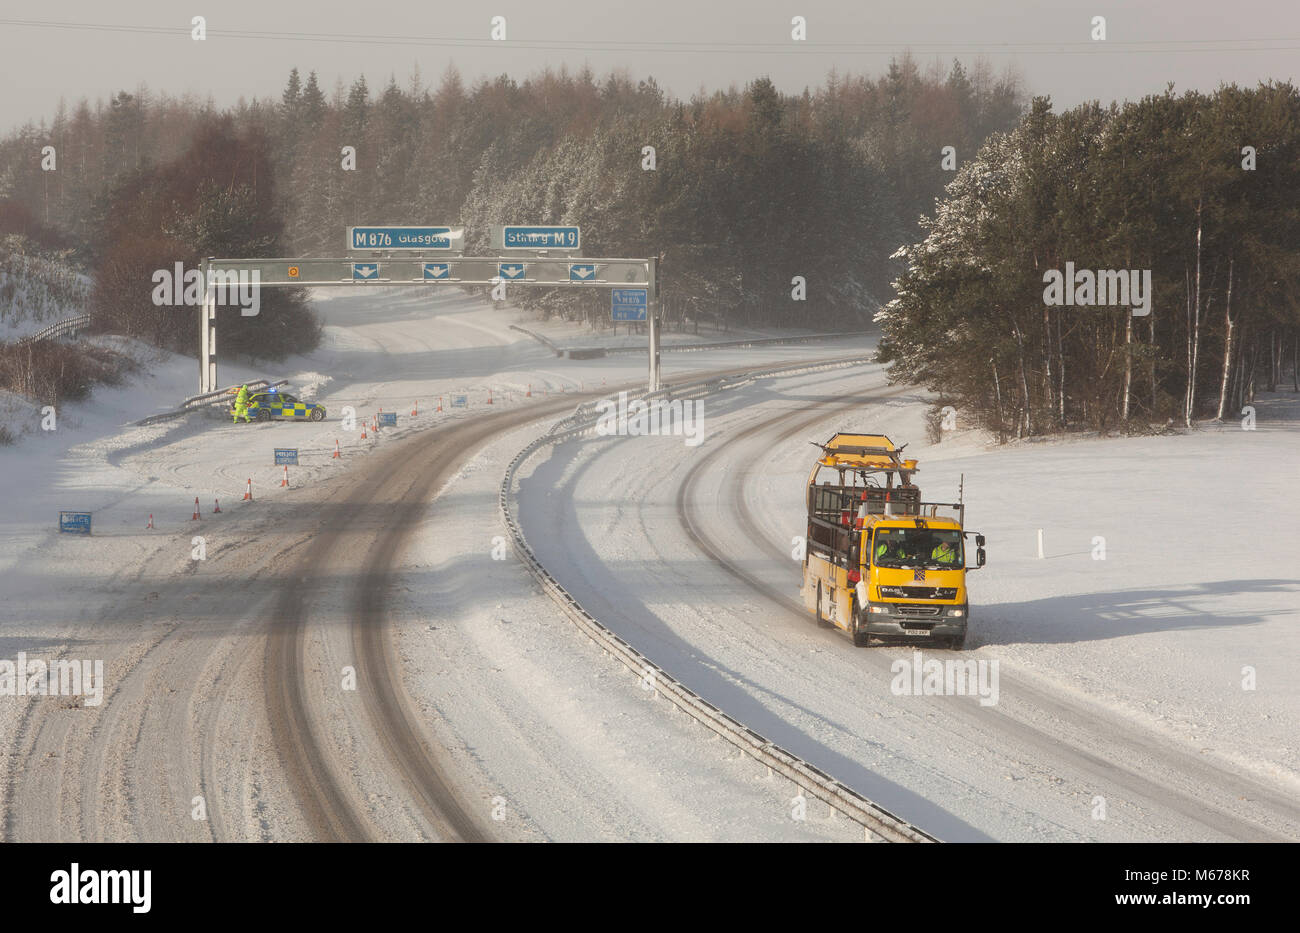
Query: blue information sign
412,238
387,418
582,272
286,456
436,270
365,271
74,523
540,238
460,401
628,304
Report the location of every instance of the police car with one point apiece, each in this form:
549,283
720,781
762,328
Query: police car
266,406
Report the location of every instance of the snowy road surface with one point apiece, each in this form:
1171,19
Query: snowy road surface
1120,679
228,710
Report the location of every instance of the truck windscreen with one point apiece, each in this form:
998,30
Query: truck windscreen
910,548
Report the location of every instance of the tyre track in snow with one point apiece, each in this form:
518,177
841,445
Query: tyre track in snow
1195,789
377,515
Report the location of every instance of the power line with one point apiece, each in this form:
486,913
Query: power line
1133,47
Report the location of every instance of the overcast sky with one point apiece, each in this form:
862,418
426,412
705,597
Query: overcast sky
685,44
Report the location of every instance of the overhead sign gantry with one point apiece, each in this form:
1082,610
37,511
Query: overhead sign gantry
422,256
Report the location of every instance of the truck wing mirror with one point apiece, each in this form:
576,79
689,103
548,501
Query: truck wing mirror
979,557
979,540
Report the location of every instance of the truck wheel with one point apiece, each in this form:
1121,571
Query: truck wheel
861,638
820,621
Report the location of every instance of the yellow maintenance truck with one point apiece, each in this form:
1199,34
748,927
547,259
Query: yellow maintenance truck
878,560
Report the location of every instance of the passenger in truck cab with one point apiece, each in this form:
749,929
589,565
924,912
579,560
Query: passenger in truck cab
885,548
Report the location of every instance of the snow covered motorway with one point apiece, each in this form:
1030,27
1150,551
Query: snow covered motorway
685,553
348,658
876,821
360,657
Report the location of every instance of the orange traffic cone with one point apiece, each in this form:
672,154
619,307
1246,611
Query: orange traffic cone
150,525
415,409
363,430
439,403
195,517
489,395
529,393
216,509
248,496
285,481
336,448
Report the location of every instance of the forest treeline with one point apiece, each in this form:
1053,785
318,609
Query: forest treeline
1200,191
749,188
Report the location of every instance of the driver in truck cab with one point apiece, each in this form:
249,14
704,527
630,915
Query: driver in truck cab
944,553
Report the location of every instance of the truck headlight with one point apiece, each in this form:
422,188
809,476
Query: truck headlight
880,609
957,612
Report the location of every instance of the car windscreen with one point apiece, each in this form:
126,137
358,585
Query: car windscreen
933,549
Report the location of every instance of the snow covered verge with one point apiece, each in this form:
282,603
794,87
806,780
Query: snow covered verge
1169,587
36,291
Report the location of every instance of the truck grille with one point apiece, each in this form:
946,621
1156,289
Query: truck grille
910,610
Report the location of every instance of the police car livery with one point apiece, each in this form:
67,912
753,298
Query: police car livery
266,406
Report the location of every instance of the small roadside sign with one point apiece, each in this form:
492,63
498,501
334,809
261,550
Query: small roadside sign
388,418
460,401
74,523
286,456
628,304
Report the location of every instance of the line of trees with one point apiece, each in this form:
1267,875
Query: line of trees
1202,190
749,188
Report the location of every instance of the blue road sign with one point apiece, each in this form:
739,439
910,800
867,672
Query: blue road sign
628,304
582,272
286,456
511,271
365,271
460,401
540,238
74,523
421,238
388,418
436,270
